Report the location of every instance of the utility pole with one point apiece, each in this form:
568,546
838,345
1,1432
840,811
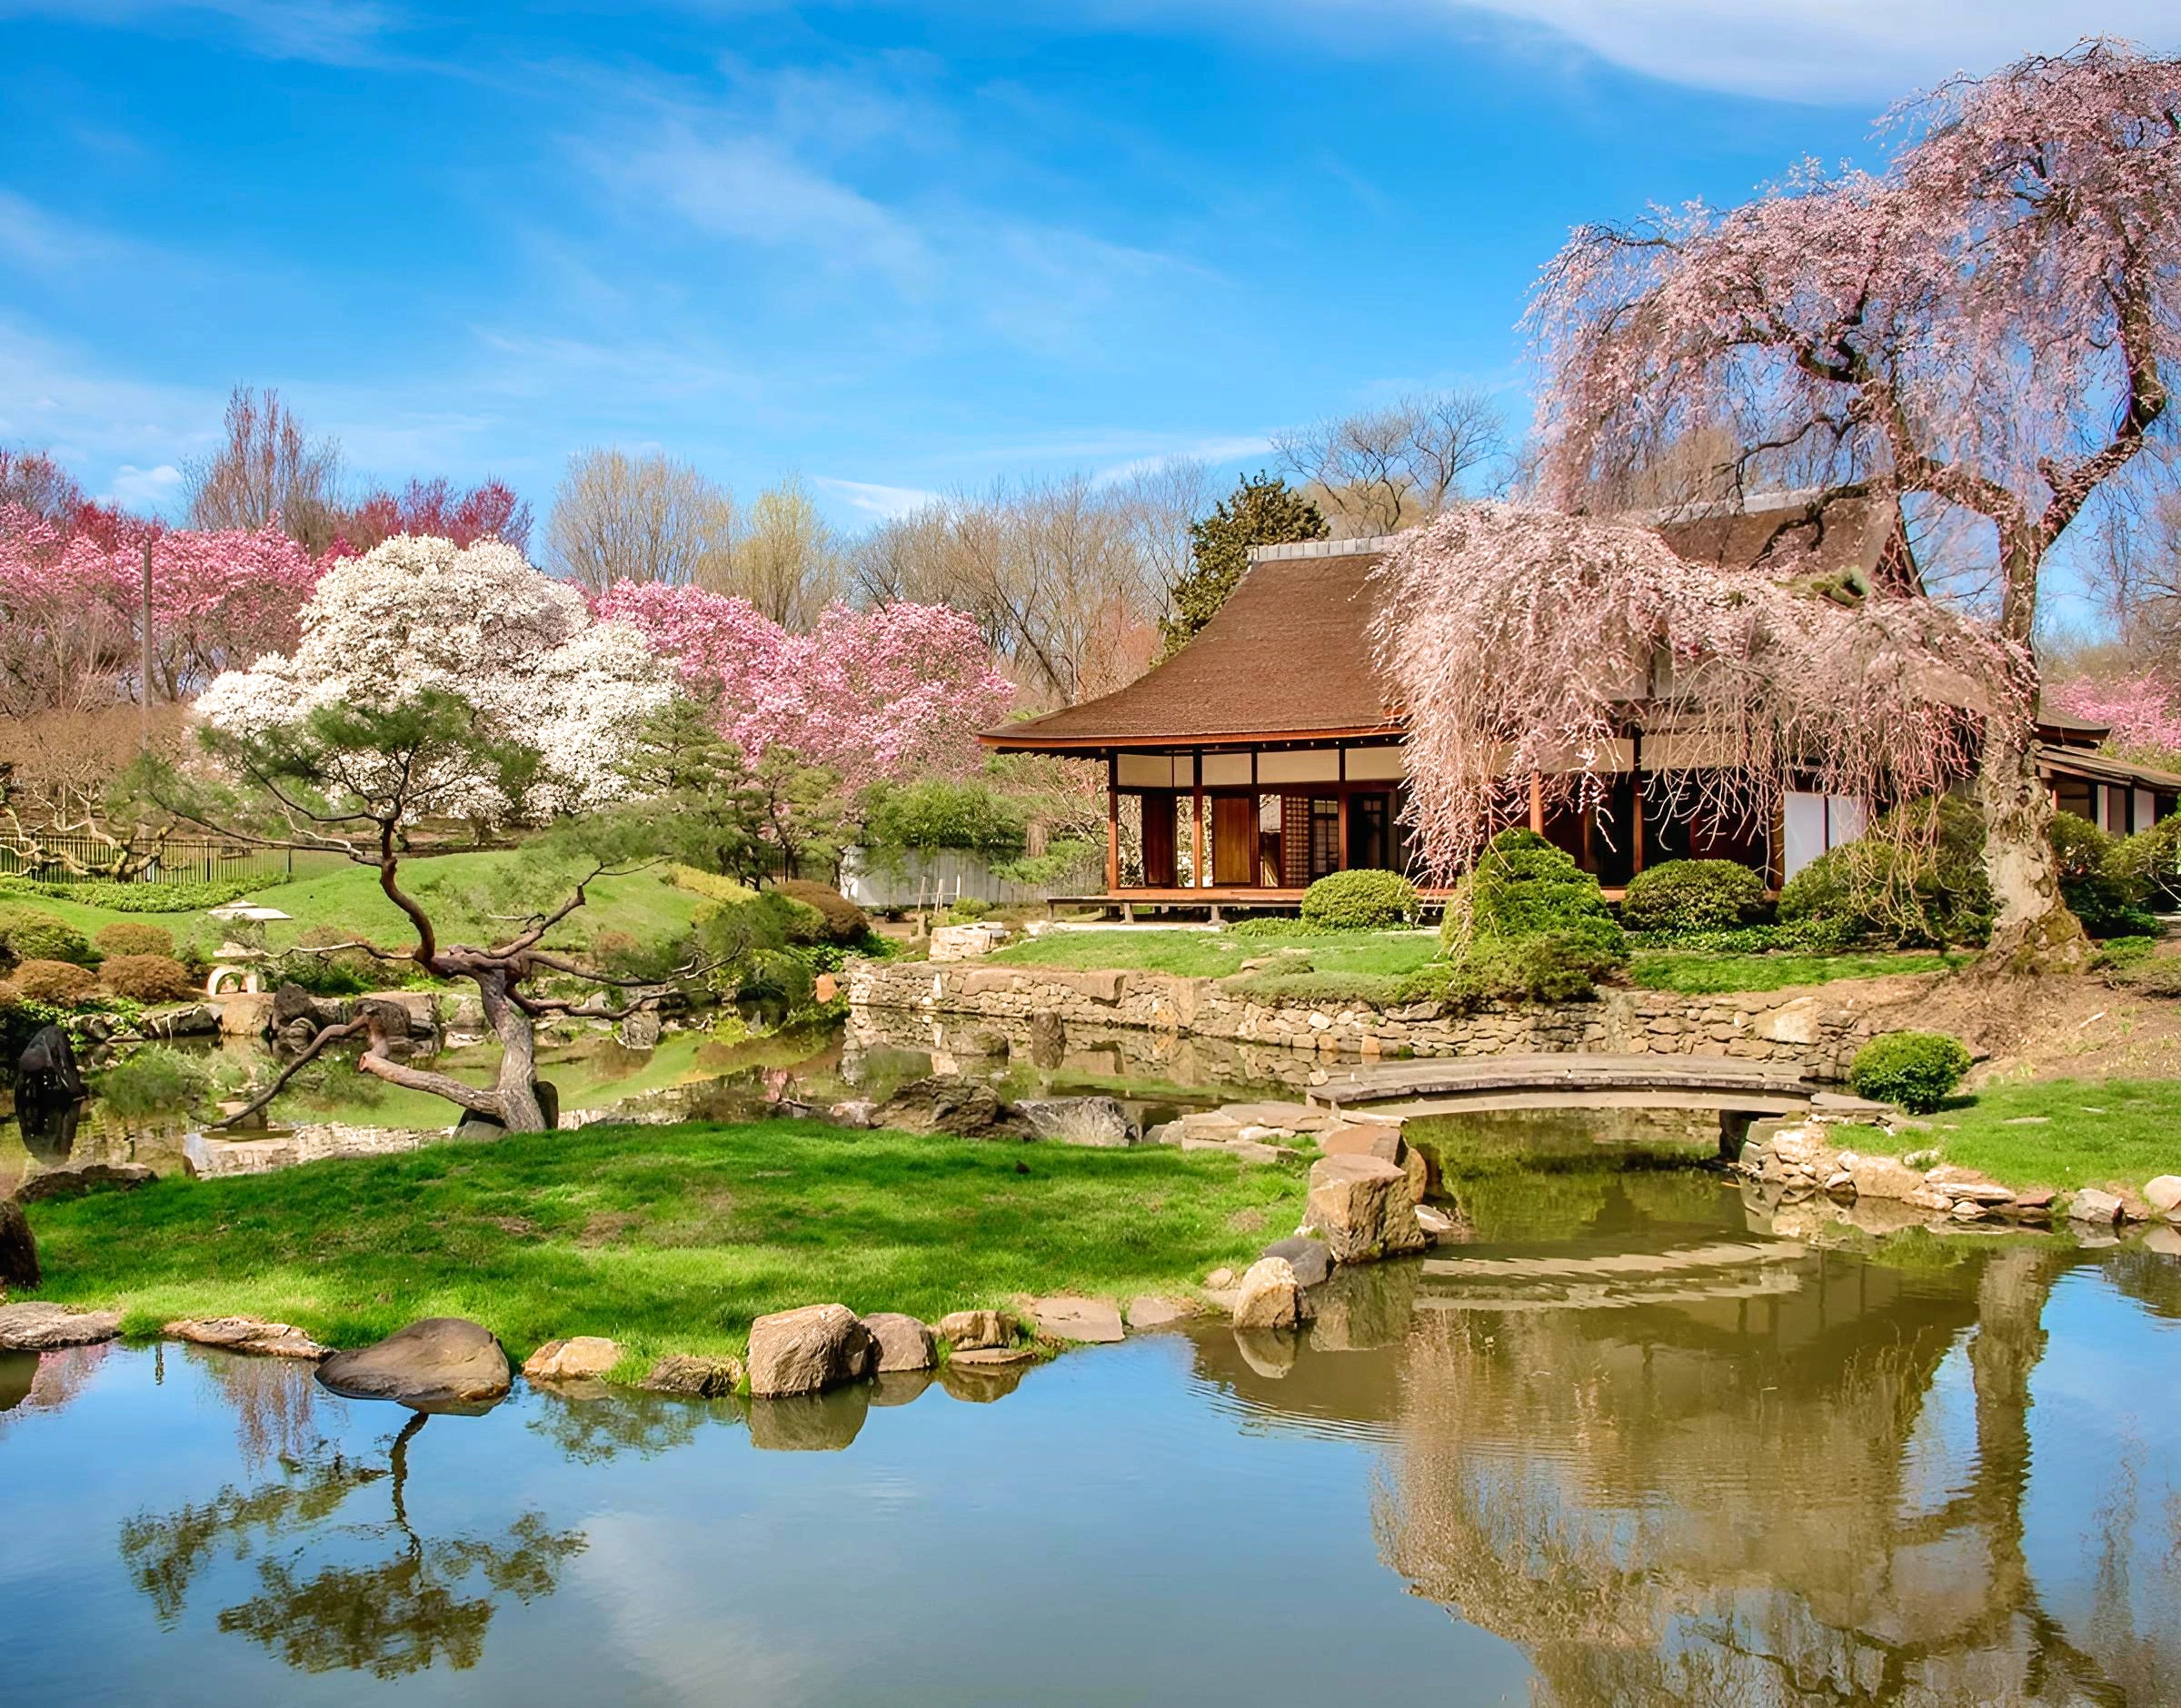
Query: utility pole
143,690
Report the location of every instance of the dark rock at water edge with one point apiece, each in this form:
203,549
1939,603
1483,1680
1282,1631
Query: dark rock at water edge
695,1378
1312,1263
18,1249
56,1183
947,1103
46,1070
443,1363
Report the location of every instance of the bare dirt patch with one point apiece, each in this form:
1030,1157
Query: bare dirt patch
2052,1027
604,1228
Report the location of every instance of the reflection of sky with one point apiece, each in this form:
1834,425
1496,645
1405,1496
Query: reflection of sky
2106,1414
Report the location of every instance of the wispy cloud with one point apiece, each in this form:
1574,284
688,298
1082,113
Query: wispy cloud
870,498
143,488
335,31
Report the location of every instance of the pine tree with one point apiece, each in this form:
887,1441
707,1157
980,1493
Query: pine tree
1262,512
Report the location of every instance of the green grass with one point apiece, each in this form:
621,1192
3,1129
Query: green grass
348,899
667,1239
2059,1133
1218,954
1699,974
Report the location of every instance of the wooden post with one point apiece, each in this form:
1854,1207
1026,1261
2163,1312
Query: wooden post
1635,779
1113,824
143,688
1537,803
1197,875
1341,829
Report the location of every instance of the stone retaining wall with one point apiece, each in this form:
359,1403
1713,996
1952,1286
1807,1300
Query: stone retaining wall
1818,1030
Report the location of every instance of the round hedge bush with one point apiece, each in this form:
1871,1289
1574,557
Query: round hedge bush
1916,1070
1525,887
38,937
1915,880
59,982
1361,900
147,978
133,936
844,922
1676,897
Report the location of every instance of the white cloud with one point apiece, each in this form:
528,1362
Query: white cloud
1871,51
872,499
143,488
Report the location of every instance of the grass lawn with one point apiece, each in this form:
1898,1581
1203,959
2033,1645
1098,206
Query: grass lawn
1699,974
1216,954
348,900
666,1239
2060,1133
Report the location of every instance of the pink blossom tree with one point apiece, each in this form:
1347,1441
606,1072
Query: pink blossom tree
1985,326
2138,708
1526,643
888,693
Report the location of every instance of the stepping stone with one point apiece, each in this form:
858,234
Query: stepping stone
248,1334
1096,1322
1151,1312
991,1357
39,1328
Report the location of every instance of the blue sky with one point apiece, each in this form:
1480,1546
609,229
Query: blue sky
902,248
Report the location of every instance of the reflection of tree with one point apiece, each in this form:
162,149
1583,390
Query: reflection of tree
1746,1502
414,1602
593,1427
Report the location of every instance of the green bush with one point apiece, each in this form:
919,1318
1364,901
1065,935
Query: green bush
1809,937
325,969
711,886
843,921
2149,864
147,978
1525,887
1916,1070
133,937
40,937
136,897
969,910
153,1080
61,983
2100,894
1915,879
1690,896
930,816
1359,900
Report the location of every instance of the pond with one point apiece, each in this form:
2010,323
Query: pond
1620,1448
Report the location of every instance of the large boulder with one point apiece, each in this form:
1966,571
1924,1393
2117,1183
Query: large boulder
35,1327
246,1334
443,1363
56,1183
2164,1194
580,1358
1310,1259
903,1342
2095,1208
1095,1121
1271,1296
1882,1177
693,1377
18,1250
947,1103
1361,1207
809,1350
1383,1140
969,1330
46,1071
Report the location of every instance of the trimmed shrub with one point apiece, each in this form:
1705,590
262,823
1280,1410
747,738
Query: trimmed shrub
1915,880
2149,864
147,978
969,910
1678,896
1918,1070
1525,887
153,1080
711,886
38,937
1360,901
136,897
61,983
843,922
133,937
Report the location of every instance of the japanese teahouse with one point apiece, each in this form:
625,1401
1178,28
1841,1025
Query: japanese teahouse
1266,752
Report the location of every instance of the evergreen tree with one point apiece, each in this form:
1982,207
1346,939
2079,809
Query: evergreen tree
1262,512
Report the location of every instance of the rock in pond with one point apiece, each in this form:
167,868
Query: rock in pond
35,1327
2097,1208
443,1363
18,1249
578,1358
1272,1298
1095,1322
808,1350
1362,1208
904,1343
1099,1122
1312,1263
46,1071
56,1183
246,1334
966,1330
693,1377
1150,1311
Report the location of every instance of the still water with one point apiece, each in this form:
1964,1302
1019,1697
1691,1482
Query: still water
1637,1450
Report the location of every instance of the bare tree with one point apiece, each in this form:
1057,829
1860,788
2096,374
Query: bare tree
267,472
1388,469
1160,500
2134,568
648,517
786,561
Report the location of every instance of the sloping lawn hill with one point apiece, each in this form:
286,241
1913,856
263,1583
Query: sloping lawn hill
667,1239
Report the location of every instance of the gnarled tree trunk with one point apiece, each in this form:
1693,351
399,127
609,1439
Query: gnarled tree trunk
2032,929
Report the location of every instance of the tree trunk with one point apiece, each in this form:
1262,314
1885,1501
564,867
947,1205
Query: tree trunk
2032,929
520,1110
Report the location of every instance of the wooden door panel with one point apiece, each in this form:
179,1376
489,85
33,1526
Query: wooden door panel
1234,839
